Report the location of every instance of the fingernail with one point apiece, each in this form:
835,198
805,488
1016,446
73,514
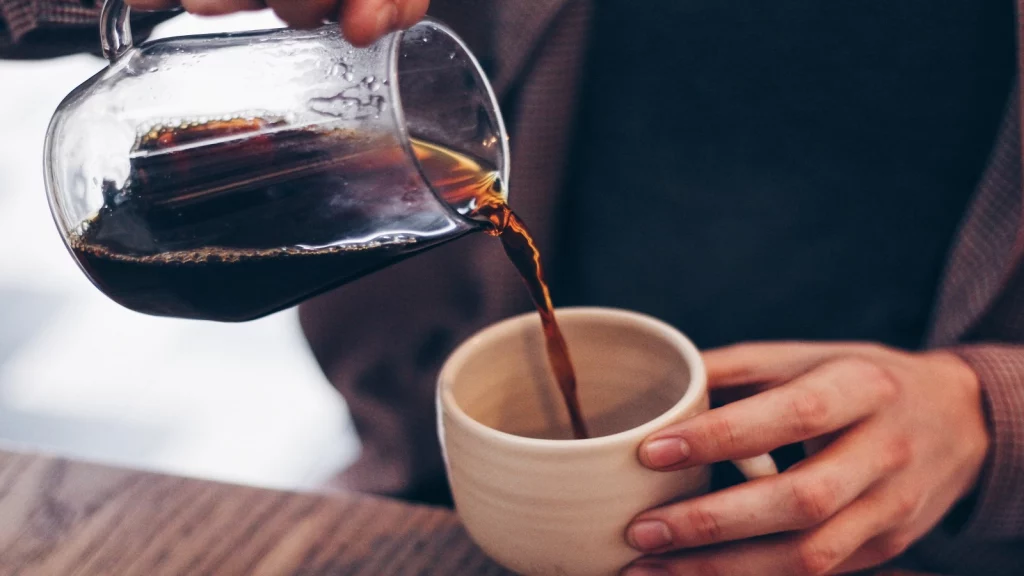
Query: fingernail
647,535
666,452
387,18
645,570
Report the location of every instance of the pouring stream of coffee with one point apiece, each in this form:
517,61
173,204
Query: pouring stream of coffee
466,179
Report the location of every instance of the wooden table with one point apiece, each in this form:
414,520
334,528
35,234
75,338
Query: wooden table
63,518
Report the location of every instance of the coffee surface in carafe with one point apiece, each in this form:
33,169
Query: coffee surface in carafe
231,220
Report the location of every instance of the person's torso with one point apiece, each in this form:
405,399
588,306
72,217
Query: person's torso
782,168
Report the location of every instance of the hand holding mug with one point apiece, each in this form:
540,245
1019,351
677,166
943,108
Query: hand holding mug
896,439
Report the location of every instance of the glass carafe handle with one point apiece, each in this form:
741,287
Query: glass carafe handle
115,29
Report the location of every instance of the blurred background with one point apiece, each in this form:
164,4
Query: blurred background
82,377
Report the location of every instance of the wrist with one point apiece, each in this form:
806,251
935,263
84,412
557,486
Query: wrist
951,370
955,371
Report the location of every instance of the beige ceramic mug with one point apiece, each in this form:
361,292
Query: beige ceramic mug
536,501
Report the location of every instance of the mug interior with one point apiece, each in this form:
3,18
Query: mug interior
630,368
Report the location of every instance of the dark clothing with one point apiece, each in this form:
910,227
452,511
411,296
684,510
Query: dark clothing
792,169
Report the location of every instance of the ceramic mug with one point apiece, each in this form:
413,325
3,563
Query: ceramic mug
535,500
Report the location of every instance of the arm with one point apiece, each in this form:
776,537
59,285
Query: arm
51,28
998,513
21,18
363,21
380,341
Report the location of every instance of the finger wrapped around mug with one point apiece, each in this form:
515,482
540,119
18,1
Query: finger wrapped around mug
826,399
802,498
856,538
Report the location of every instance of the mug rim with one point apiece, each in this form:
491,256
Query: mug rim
695,390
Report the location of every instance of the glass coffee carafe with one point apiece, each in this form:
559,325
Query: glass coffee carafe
226,177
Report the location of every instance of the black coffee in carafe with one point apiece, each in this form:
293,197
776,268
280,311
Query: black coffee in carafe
196,232
148,247
228,176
